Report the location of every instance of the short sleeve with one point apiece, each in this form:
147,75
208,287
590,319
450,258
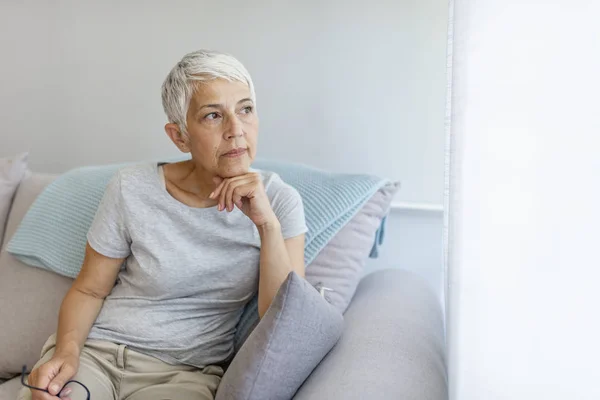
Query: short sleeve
108,234
288,207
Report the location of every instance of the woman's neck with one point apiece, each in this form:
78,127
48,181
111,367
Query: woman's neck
188,182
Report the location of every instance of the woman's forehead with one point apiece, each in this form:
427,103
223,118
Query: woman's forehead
220,91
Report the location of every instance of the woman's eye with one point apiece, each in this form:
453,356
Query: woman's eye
212,116
247,110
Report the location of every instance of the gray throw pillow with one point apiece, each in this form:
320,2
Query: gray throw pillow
339,266
291,339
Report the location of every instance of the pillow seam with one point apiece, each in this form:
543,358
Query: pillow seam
270,340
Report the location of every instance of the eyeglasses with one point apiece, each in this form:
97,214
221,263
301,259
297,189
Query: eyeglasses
24,372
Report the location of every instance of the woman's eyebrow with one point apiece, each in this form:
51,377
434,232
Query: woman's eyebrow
210,106
220,105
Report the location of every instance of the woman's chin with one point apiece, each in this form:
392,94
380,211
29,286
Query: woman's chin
231,169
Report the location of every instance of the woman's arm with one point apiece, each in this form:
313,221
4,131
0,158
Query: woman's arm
83,301
278,257
78,311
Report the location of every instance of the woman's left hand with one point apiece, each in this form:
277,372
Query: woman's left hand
248,194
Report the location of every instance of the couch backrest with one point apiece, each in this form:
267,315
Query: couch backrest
30,297
31,186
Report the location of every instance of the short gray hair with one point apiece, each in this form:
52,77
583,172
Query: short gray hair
199,66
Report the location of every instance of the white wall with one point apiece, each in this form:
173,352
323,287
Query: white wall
413,241
342,85
524,206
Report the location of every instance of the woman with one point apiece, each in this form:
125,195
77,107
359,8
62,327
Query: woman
187,243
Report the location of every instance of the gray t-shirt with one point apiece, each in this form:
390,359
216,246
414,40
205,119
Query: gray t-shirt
188,271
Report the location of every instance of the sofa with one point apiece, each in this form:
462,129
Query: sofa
393,345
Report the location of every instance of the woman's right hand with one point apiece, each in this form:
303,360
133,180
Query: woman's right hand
53,375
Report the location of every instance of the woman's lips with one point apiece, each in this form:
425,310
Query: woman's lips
235,153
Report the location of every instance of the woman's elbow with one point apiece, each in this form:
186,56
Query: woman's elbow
96,293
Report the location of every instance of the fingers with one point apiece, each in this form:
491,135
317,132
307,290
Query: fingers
215,194
66,372
221,185
39,395
40,377
230,191
64,395
223,196
237,200
234,187
238,189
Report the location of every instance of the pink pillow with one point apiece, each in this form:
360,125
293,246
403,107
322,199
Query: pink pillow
339,266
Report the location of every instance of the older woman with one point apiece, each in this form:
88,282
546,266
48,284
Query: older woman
176,251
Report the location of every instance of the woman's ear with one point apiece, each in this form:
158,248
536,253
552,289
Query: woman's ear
180,139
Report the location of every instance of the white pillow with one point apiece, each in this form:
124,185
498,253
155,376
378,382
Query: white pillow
12,171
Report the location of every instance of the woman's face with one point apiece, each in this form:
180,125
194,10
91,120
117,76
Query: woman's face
222,128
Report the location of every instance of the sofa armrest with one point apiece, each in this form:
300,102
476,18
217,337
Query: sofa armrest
392,347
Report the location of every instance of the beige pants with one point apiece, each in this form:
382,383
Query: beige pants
113,372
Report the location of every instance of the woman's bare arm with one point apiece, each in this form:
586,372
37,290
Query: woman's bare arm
278,257
83,301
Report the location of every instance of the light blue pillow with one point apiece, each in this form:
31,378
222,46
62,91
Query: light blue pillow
52,234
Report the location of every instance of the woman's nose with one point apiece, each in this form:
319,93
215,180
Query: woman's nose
234,129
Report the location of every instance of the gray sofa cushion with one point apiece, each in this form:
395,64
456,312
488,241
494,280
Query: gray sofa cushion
392,346
296,332
29,297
